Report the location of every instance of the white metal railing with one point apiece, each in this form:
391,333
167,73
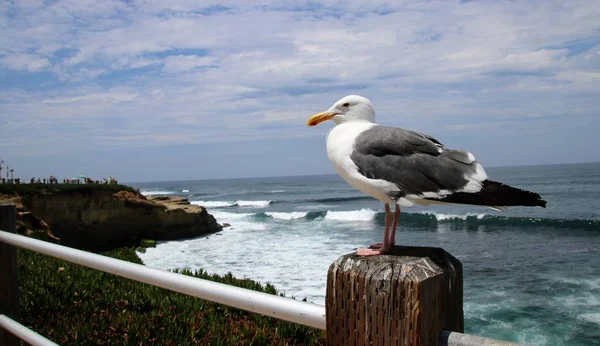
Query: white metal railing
24,333
308,314
288,309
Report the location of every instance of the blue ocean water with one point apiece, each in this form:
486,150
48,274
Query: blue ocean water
531,275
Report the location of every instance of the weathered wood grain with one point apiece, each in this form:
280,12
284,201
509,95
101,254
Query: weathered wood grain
406,297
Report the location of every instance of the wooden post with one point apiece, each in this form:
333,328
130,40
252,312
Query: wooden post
406,297
9,289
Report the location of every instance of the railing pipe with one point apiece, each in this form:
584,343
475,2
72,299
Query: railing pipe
24,333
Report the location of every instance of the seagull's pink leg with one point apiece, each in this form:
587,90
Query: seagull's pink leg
394,225
378,249
378,246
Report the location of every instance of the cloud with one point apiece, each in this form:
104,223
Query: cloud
182,63
24,62
150,73
105,97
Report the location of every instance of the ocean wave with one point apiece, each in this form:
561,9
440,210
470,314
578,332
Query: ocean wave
225,216
449,217
156,192
255,204
340,199
591,317
225,204
287,216
420,219
353,215
185,190
425,218
239,221
213,204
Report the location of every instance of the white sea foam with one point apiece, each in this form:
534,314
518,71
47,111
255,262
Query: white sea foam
442,217
230,216
258,249
585,299
239,221
155,192
255,204
531,336
446,217
227,204
213,204
287,216
593,283
591,317
185,190
352,215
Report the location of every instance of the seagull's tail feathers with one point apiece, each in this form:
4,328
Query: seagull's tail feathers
497,196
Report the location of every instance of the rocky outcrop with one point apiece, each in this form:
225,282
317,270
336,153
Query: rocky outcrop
99,220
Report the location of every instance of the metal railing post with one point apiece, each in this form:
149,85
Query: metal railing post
9,287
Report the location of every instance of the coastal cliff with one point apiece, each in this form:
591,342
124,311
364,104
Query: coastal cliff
101,218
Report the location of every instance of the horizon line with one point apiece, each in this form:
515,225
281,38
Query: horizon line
334,174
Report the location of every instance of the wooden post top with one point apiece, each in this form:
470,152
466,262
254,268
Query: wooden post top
429,259
405,297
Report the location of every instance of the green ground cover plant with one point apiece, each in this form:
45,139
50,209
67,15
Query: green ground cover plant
74,305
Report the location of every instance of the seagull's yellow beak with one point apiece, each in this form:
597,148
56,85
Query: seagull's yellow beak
319,118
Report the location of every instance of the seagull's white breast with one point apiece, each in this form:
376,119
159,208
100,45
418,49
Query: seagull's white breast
340,144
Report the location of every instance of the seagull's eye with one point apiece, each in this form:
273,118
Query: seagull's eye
347,104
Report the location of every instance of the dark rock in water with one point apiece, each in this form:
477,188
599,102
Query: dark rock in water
225,224
146,243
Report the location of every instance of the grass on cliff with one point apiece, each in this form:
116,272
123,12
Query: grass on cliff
25,190
71,304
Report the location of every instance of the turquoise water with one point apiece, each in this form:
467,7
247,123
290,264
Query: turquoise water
531,275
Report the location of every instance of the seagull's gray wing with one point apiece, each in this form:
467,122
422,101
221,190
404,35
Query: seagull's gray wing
417,163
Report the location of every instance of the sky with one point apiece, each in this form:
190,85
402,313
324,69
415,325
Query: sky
160,90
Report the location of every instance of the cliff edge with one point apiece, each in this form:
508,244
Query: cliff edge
99,219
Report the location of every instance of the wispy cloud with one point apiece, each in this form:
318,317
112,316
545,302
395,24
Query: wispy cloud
24,62
151,73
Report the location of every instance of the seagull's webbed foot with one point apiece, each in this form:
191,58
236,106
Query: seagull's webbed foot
376,246
371,252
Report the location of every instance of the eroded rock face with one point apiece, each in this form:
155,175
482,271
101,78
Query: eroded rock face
100,220
31,225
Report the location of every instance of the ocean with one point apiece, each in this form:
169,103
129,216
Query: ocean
531,275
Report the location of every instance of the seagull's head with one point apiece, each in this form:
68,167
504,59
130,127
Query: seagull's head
349,108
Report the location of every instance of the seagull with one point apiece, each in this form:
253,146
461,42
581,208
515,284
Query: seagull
401,167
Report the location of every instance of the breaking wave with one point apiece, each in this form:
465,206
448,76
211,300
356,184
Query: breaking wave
286,216
224,204
340,199
421,219
156,192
